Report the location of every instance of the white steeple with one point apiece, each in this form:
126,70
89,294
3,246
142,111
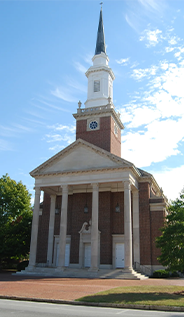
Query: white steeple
100,75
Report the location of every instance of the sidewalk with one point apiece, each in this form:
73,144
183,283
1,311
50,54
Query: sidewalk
66,289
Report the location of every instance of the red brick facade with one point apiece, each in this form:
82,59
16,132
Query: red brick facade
150,223
110,222
104,138
43,230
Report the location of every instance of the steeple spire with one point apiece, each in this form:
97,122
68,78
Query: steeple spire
100,42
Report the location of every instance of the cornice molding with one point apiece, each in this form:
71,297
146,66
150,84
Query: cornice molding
94,69
157,206
102,110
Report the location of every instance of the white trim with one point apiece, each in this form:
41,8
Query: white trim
157,206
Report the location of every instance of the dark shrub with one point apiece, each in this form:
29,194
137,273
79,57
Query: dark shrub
161,274
22,265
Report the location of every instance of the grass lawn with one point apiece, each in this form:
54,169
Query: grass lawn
140,295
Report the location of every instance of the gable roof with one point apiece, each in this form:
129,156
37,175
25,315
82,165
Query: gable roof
81,156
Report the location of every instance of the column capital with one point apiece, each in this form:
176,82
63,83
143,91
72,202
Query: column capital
127,185
95,186
64,188
135,193
52,197
37,190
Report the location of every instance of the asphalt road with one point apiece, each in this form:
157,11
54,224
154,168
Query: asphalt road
14,308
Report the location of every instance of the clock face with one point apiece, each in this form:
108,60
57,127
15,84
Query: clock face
93,125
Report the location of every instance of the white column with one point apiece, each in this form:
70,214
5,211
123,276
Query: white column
63,227
127,225
136,240
34,230
51,229
94,228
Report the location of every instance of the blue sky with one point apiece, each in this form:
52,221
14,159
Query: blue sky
46,47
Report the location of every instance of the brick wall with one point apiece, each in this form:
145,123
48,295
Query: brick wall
117,217
115,140
110,223
43,229
144,223
103,138
77,218
157,221
57,216
105,227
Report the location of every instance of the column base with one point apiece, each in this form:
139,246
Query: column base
93,269
128,269
30,268
60,269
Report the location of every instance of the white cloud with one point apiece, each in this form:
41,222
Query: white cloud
60,127
151,5
21,128
141,73
123,61
81,68
50,106
14,131
156,144
64,94
131,20
173,40
76,85
61,134
142,116
152,38
58,138
56,148
164,65
88,58
178,54
170,180
169,49
158,113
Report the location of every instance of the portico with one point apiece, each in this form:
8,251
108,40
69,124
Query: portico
119,180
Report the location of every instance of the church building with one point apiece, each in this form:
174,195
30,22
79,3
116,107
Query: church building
100,212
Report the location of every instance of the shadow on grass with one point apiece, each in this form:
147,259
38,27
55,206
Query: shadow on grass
136,298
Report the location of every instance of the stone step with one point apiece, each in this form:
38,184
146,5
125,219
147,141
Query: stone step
83,273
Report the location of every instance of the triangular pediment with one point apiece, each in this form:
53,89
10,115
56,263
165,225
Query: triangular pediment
78,157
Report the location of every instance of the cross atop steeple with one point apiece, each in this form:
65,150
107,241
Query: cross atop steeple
100,42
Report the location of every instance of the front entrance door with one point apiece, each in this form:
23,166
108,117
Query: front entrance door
87,255
119,255
67,254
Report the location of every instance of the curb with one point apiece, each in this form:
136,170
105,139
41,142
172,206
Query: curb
130,306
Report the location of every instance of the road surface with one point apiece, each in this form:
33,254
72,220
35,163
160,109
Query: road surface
14,308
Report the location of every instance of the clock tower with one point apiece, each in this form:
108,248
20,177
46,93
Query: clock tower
98,123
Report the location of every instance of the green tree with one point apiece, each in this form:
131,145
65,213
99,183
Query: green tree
15,219
171,242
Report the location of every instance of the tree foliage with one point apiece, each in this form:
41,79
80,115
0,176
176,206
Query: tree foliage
171,242
15,219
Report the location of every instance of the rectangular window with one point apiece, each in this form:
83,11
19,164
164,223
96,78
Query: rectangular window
96,85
